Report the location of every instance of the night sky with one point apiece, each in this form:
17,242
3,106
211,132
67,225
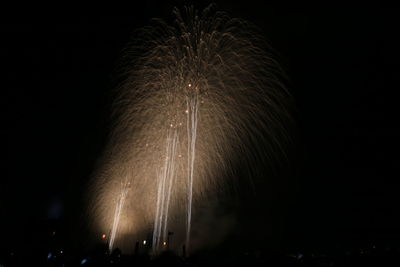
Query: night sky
341,187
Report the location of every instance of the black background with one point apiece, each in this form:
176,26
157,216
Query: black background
57,75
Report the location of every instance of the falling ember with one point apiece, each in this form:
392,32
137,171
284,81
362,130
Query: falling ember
161,161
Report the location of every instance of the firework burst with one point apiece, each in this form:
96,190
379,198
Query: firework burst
194,90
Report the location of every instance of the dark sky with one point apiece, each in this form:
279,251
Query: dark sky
343,66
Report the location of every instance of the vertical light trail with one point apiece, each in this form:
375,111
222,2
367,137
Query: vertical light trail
157,219
171,176
117,213
191,125
165,188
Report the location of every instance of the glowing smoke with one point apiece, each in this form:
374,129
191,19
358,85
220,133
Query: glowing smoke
194,90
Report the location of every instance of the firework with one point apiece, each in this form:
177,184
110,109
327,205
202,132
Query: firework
194,91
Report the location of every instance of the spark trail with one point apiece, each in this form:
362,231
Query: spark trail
117,214
191,122
165,186
197,95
